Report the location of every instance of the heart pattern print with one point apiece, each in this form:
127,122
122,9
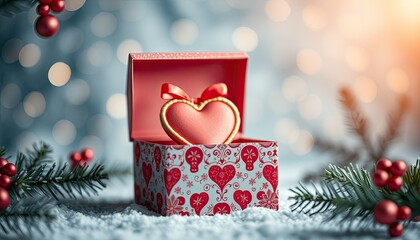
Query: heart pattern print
205,179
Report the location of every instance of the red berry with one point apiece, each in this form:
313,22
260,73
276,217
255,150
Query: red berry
4,199
87,154
385,212
47,26
45,1
43,9
3,161
396,230
398,168
75,156
383,164
404,213
380,178
395,183
5,181
9,169
57,6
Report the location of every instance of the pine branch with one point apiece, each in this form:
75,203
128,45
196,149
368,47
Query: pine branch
348,194
38,156
58,182
10,8
26,216
2,151
357,122
392,131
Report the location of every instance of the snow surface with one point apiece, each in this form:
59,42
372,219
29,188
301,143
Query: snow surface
113,215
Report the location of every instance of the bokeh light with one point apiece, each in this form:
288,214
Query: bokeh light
59,74
398,80
310,107
77,91
103,24
314,17
99,54
29,55
74,5
357,58
184,31
64,132
284,130
303,143
294,89
116,106
10,95
365,89
245,39
10,50
34,104
277,10
125,47
309,61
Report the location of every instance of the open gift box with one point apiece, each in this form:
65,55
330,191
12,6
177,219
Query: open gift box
203,179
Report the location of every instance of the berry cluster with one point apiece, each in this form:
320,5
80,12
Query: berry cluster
389,174
86,155
7,170
388,213
47,25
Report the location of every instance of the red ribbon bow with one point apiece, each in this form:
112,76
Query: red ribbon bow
170,91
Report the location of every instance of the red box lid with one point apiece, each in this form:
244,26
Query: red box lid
192,72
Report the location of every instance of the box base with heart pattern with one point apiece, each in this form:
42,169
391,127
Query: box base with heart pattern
206,179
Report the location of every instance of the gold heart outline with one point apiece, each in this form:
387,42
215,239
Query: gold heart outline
198,107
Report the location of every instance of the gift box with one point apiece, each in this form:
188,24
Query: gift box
202,179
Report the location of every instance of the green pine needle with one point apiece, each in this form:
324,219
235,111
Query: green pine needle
26,216
59,182
349,195
10,8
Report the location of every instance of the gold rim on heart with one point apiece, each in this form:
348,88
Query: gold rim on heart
198,107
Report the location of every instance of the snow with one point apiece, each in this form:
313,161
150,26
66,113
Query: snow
113,215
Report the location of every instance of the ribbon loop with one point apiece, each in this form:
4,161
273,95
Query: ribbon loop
170,91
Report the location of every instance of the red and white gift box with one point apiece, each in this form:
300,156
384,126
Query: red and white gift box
195,179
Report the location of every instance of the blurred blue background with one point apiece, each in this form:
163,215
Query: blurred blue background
69,90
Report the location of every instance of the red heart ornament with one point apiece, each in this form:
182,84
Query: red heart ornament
221,176
171,178
198,201
243,198
210,119
271,174
147,173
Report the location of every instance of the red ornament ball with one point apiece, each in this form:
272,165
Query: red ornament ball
380,178
396,230
47,26
404,213
45,1
75,156
5,181
3,161
383,164
57,6
398,168
9,169
43,9
4,199
385,212
395,183
87,154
